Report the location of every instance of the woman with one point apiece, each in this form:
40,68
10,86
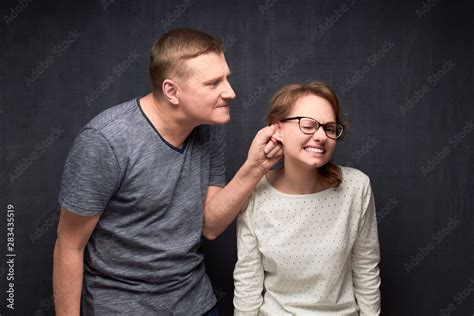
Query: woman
307,239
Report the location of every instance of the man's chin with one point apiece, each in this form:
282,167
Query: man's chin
220,121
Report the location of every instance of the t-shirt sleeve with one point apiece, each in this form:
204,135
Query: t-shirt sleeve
217,147
91,174
365,259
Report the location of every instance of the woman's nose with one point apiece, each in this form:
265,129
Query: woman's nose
320,135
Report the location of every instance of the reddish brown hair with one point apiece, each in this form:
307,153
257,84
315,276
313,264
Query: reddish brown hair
282,103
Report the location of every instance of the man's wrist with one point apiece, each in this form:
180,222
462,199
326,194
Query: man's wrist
252,170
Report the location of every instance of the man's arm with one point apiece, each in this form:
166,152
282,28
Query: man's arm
222,205
73,233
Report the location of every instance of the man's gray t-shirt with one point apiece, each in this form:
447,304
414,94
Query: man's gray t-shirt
143,257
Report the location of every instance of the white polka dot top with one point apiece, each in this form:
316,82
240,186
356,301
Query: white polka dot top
309,254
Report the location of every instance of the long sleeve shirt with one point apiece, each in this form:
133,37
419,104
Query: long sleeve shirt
309,254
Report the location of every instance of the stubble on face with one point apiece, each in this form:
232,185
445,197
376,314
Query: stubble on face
206,92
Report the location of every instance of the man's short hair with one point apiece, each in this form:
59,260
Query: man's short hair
173,48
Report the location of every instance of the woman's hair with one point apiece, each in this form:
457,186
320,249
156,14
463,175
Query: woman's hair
281,105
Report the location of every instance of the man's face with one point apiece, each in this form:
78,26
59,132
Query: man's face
205,94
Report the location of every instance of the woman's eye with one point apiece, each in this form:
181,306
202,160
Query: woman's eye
308,128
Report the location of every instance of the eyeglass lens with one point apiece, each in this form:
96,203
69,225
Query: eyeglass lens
309,126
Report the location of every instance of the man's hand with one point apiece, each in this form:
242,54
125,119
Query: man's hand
224,204
264,152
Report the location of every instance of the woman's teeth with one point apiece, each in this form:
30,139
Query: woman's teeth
314,150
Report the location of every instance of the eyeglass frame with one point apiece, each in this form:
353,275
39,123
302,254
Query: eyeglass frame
319,125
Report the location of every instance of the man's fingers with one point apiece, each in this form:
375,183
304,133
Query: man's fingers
279,153
274,151
266,133
267,138
271,144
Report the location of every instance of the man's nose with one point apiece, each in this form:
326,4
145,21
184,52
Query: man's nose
228,92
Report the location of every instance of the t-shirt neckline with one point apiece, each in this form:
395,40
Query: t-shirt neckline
177,149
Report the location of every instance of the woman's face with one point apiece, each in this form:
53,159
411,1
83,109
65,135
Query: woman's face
300,149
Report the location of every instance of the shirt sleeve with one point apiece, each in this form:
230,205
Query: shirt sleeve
91,174
217,148
365,259
248,272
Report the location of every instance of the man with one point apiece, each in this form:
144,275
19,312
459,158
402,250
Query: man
141,183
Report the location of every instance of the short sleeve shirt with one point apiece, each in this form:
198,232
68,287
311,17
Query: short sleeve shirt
143,257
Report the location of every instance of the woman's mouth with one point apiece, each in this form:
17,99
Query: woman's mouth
317,150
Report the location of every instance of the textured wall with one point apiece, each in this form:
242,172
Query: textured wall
403,71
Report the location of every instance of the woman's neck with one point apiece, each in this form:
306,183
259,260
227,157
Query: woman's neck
293,180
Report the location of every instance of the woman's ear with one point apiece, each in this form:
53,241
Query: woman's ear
170,91
277,135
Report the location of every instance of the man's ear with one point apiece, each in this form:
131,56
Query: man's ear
170,91
277,135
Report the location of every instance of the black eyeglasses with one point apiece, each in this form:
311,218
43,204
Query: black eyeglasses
309,126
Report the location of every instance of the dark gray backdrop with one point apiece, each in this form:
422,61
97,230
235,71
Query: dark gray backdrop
403,71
